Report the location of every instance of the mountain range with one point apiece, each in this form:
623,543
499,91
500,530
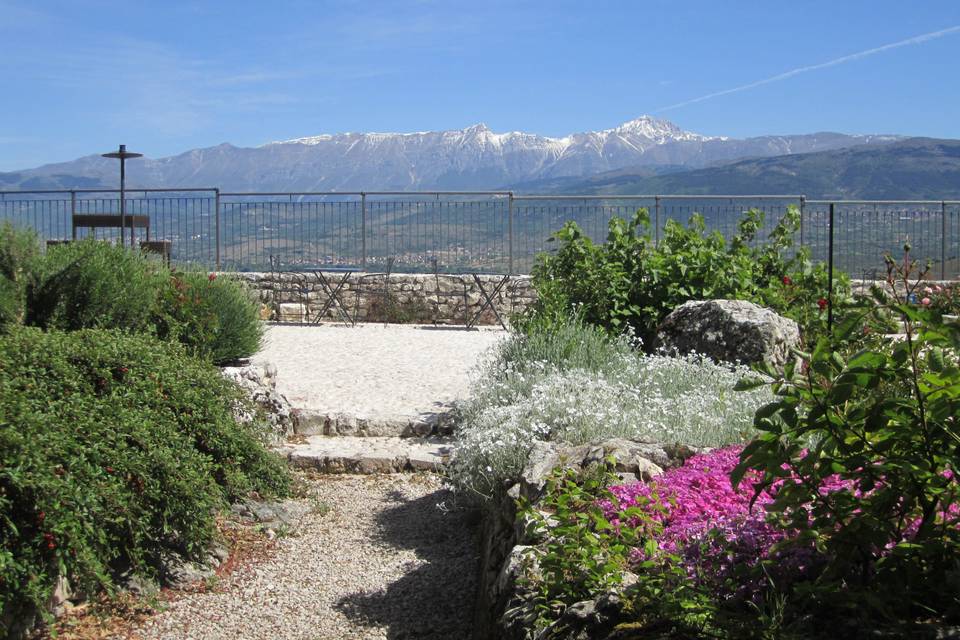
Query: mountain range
909,169
474,158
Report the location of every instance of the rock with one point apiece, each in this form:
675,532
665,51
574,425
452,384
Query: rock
541,462
372,454
260,383
647,470
61,596
136,584
520,560
283,516
580,611
729,331
180,574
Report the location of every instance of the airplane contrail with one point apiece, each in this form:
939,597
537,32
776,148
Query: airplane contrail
831,63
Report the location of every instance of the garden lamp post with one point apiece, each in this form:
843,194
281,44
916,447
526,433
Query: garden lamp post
123,154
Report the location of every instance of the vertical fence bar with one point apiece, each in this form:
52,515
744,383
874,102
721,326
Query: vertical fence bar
943,240
216,222
803,202
656,220
73,212
830,274
363,231
510,233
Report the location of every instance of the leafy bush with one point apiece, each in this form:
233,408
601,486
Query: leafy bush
19,256
630,283
582,551
116,451
215,317
883,423
92,284
579,385
841,519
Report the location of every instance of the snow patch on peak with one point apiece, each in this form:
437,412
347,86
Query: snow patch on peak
656,129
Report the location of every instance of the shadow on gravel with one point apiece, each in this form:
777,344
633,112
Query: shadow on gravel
435,598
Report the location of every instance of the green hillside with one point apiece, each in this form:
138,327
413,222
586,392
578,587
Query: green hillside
916,168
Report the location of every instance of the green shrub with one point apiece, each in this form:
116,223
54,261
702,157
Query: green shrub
90,284
631,282
883,423
116,450
19,257
216,318
580,554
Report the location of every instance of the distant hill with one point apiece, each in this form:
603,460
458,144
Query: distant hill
911,169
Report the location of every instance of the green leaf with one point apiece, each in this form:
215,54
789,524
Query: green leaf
746,384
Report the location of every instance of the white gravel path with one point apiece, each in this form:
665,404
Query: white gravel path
374,371
384,562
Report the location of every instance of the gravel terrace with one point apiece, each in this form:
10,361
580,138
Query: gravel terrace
390,559
374,371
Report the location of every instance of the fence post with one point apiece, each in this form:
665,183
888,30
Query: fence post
363,231
943,239
803,202
656,220
510,233
830,275
216,219
73,212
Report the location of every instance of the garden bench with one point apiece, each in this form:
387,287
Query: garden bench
110,221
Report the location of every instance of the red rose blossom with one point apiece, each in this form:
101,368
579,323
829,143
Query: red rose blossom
212,277
787,280
822,303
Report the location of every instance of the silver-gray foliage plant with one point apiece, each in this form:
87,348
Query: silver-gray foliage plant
575,386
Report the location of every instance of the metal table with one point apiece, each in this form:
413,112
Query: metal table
331,286
488,298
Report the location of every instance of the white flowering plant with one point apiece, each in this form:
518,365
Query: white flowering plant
576,385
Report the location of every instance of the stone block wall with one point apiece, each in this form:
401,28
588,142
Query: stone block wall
421,298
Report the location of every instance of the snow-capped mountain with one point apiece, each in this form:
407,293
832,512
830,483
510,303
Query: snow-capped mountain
470,158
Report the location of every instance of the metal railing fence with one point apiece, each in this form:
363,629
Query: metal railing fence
465,231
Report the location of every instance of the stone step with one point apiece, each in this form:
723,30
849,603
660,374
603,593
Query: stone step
368,454
340,424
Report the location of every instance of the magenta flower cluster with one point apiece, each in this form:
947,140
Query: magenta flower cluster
694,499
710,525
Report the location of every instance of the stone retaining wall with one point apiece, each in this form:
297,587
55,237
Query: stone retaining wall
402,297
367,297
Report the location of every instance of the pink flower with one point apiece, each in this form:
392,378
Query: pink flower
927,290
925,302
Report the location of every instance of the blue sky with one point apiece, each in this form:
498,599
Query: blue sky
80,76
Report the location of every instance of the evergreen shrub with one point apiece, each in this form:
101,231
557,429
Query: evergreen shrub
116,451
